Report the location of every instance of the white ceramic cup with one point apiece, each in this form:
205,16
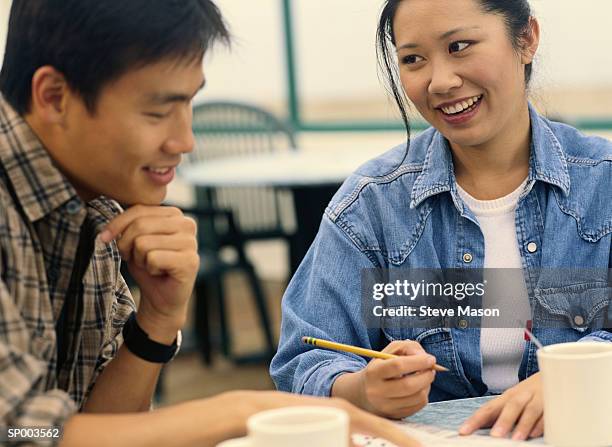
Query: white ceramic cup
577,386
296,427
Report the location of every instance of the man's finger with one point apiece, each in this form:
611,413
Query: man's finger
118,225
150,242
153,226
180,266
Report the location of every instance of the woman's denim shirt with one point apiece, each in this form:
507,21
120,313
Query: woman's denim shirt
402,210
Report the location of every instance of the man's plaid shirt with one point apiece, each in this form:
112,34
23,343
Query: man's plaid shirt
40,221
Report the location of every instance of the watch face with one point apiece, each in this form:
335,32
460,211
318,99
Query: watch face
177,343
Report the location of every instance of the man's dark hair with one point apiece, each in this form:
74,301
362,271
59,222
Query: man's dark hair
94,42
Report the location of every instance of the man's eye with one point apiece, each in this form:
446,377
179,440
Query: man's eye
458,46
156,115
411,59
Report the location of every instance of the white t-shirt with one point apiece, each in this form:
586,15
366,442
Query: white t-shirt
501,347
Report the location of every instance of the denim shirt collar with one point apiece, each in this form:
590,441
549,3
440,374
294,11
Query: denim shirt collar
546,164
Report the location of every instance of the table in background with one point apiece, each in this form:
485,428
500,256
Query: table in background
312,177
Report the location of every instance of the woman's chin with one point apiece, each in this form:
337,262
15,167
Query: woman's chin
465,138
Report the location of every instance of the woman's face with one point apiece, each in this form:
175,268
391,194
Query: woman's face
458,66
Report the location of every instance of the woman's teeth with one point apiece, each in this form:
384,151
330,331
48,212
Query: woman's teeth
160,171
461,106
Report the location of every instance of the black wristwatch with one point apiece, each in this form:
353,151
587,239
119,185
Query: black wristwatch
139,343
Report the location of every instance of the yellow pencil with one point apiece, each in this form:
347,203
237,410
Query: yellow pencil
356,350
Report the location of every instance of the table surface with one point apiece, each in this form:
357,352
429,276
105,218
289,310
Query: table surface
301,167
436,425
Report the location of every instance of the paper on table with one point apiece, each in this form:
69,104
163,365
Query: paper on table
436,425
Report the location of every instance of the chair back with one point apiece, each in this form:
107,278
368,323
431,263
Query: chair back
230,129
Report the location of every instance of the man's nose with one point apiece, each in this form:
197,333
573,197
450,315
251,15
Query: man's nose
182,139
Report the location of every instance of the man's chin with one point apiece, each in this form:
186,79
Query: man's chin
152,199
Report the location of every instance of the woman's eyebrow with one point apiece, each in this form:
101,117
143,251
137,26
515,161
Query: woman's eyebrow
456,30
443,36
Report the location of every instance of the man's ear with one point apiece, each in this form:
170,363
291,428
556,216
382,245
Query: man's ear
49,95
530,41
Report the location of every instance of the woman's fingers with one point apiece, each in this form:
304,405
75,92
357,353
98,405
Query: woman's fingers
511,412
400,366
531,415
538,430
403,347
485,416
409,385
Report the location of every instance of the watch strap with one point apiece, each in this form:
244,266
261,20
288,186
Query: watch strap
139,343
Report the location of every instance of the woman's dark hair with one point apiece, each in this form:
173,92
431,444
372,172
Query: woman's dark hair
516,14
93,42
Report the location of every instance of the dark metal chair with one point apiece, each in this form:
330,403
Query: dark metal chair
229,217
229,129
216,231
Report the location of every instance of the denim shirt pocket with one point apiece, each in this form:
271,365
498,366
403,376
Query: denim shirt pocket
438,341
581,307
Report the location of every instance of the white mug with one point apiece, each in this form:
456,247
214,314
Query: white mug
577,386
296,427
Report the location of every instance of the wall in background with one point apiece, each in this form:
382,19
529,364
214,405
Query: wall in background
5,6
335,46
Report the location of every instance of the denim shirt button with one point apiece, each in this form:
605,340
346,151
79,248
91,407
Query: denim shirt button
467,258
463,324
532,247
579,320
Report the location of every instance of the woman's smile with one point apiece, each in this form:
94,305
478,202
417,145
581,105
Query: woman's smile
460,112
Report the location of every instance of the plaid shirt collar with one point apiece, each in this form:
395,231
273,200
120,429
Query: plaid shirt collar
39,185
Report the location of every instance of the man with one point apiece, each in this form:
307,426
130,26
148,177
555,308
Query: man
96,110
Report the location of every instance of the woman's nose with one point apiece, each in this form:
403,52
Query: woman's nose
444,79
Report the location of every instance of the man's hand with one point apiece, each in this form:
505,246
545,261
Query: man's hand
520,407
160,247
248,403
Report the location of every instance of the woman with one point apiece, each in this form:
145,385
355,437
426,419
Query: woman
491,185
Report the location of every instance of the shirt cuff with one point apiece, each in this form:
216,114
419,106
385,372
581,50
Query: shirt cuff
321,380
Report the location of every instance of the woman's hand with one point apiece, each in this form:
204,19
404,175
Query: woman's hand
251,402
520,407
393,388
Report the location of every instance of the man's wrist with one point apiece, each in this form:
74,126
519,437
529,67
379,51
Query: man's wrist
161,333
159,328
141,345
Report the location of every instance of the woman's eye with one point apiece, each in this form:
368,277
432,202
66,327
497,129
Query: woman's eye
458,46
411,59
